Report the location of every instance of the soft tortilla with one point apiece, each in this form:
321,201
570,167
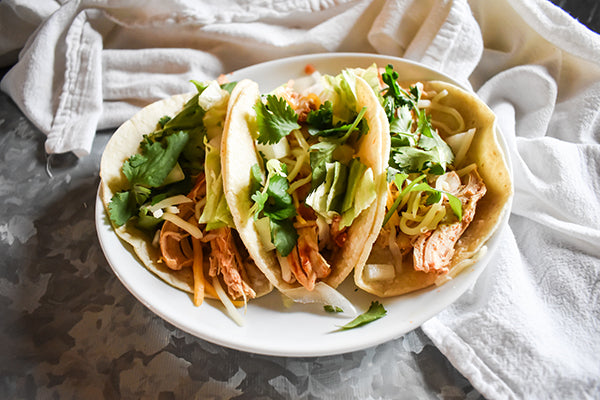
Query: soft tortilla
487,154
122,145
239,155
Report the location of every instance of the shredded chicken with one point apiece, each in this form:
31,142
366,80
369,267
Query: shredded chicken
226,260
177,252
433,250
306,262
175,244
338,235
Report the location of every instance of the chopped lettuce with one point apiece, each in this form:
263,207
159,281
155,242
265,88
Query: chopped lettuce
345,190
216,213
361,192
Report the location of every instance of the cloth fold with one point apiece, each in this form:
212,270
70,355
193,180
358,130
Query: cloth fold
529,327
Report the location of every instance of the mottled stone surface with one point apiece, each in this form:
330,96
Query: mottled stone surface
69,329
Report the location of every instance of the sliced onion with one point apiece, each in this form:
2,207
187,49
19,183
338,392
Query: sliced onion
183,224
395,250
286,270
169,201
379,272
231,310
321,294
461,266
460,143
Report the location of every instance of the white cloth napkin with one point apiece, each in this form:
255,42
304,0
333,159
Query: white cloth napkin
530,327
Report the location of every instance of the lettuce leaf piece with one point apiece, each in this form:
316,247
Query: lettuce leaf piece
328,197
340,90
216,213
283,235
357,169
337,192
360,193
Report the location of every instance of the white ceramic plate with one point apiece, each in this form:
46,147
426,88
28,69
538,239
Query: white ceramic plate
270,328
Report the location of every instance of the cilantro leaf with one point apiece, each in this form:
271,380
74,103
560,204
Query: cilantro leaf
259,199
403,122
322,118
229,86
279,204
276,119
256,178
395,97
431,141
283,235
190,120
163,121
273,201
411,159
374,312
332,309
120,208
389,77
151,167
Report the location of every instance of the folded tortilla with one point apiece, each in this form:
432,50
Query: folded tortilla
124,143
239,155
488,155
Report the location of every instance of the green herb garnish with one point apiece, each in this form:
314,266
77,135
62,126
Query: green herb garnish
374,312
276,119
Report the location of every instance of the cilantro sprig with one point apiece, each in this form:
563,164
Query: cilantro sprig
276,119
375,311
145,171
320,123
179,139
415,145
273,201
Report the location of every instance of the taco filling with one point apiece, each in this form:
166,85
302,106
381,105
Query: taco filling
315,167
438,155
171,205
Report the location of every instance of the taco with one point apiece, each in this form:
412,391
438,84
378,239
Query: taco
161,186
448,187
304,176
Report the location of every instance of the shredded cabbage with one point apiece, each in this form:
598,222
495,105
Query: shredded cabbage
216,213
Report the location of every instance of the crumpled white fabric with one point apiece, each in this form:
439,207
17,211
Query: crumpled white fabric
529,328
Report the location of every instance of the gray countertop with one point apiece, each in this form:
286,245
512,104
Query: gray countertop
70,329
